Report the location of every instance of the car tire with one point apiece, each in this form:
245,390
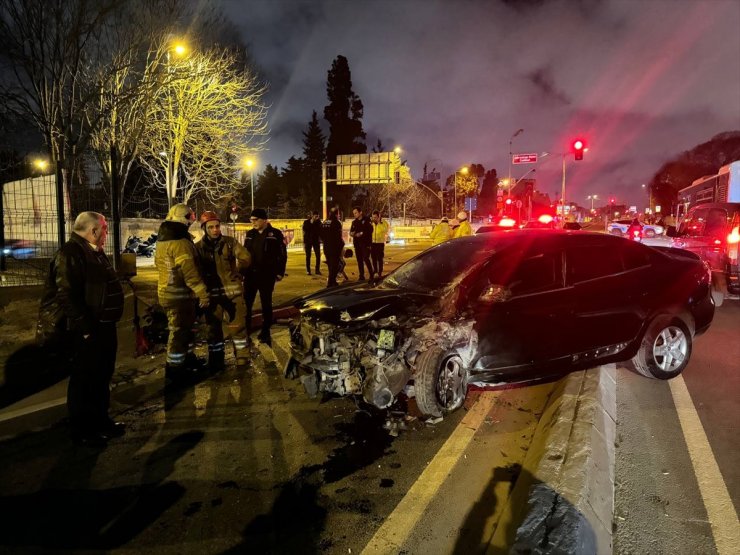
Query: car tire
665,349
649,233
616,232
440,382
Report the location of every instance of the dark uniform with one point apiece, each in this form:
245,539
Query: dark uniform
269,257
361,233
312,242
84,291
331,236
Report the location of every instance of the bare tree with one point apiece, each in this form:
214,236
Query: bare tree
208,117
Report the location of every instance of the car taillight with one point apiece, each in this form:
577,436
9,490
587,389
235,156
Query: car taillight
507,222
636,233
545,219
732,244
734,237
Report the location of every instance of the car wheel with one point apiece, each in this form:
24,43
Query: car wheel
649,233
665,349
616,232
440,382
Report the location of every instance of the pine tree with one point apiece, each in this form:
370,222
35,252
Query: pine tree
344,113
314,151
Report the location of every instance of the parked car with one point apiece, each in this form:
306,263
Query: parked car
515,306
712,231
621,228
20,249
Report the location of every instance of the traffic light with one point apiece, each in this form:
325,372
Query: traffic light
578,147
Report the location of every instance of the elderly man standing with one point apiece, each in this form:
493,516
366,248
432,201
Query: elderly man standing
222,260
84,290
179,284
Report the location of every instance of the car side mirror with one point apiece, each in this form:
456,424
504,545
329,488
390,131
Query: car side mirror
495,293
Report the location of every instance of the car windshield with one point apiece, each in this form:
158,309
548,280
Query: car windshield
441,266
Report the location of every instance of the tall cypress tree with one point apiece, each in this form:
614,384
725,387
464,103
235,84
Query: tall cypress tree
344,114
314,150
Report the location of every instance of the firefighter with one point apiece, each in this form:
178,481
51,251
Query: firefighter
222,260
179,284
464,229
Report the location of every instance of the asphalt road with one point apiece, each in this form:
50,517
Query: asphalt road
668,498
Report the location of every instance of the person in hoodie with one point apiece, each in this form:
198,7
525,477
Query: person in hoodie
82,302
179,288
266,246
222,260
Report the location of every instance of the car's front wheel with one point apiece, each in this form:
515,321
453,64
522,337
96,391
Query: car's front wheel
440,382
665,349
650,233
616,231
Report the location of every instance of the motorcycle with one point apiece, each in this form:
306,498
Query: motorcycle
135,245
132,244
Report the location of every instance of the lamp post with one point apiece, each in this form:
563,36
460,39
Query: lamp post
511,153
650,197
180,49
250,166
464,171
592,198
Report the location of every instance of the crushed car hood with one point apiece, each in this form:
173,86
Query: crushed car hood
356,303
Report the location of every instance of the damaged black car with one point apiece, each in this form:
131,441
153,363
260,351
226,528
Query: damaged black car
512,307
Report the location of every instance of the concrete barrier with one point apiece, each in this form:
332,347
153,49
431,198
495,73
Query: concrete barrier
564,502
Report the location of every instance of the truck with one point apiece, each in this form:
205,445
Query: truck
709,224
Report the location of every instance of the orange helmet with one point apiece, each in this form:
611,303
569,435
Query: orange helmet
208,216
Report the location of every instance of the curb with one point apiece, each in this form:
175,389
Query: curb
564,500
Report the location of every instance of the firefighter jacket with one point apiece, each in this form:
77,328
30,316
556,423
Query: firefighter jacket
178,278
440,233
82,290
380,230
463,230
221,262
268,252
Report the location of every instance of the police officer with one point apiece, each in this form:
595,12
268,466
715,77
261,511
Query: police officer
266,246
312,241
464,229
179,284
361,233
221,259
331,236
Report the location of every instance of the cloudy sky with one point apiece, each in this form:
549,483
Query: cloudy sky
451,82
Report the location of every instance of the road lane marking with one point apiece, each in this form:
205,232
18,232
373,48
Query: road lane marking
720,510
396,529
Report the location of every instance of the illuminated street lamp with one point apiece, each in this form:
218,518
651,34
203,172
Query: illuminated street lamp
40,164
249,163
464,171
179,49
592,198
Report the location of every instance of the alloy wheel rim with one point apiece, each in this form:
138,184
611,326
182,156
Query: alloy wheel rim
670,349
451,383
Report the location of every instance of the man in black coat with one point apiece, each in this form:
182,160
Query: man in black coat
84,297
362,233
312,240
331,236
266,246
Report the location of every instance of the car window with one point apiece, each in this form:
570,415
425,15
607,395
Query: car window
530,274
693,225
584,263
634,256
716,222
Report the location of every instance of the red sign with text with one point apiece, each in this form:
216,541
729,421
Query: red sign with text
524,159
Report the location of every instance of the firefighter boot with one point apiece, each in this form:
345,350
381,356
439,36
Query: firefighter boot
215,361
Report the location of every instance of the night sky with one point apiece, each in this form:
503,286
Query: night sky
451,82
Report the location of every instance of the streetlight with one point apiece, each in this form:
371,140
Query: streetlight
464,171
592,198
511,140
250,165
180,49
40,164
650,197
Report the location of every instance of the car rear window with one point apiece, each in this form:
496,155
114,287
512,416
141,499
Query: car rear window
635,256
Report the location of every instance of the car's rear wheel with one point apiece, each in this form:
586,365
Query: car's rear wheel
616,231
665,349
440,382
649,233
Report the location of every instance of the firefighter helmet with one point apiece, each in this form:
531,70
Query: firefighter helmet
208,216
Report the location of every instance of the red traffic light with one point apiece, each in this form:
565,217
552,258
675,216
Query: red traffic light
578,147
508,201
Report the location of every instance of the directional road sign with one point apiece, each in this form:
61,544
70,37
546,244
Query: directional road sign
525,158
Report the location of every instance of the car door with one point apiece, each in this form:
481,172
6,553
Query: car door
608,294
522,329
